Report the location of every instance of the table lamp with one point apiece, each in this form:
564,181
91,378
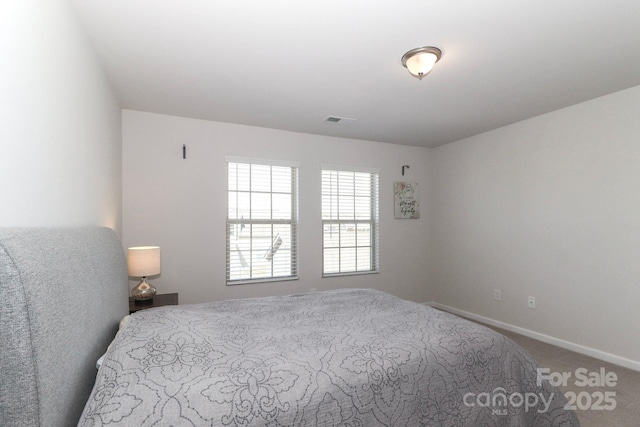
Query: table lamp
143,261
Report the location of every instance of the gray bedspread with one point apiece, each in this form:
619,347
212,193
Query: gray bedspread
336,358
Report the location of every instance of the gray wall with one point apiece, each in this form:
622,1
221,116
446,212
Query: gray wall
61,124
548,207
180,205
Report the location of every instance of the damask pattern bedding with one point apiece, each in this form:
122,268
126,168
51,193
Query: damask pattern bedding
336,358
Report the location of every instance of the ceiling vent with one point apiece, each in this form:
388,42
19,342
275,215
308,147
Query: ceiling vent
339,120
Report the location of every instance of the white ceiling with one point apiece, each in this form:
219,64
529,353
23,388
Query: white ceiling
290,64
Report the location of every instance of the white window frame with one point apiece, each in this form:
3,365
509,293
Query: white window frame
243,222
333,219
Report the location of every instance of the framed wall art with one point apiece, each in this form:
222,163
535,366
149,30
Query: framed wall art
407,200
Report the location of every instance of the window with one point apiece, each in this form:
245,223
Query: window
262,219
349,221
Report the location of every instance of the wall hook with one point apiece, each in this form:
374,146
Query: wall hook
184,151
405,166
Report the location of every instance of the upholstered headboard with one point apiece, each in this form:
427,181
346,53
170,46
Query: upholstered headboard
62,293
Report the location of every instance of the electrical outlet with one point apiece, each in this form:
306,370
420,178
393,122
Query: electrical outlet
531,302
497,294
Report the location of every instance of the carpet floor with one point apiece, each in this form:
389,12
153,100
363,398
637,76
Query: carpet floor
625,393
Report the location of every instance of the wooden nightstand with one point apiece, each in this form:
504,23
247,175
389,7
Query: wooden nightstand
157,301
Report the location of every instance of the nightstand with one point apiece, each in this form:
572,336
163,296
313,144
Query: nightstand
157,301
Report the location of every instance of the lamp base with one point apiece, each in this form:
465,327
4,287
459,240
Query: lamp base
144,291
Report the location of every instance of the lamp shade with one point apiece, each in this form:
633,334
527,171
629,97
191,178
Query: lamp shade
420,61
143,261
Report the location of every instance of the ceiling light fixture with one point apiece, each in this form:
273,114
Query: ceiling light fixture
421,60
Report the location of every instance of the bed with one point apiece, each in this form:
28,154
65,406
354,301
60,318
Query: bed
62,293
352,357
355,357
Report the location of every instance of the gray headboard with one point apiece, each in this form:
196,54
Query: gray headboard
62,293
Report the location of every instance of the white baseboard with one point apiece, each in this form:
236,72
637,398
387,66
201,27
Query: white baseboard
597,354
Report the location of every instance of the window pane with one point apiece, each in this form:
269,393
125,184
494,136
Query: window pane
284,231
363,184
364,235
345,207
281,206
260,206
260,270
236,231
281,179
282,263
348,235
332,261
329,206
241,237
261,236
347,259
258,249
239,251
331,235
364,259
332,176
346,197
244,205
261,239
345,181
242,172
362,208
232,173
232,202
238,268
261,178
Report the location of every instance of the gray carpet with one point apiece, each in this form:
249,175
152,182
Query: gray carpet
627,389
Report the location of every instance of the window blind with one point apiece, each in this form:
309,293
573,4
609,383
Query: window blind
262,219
349,221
